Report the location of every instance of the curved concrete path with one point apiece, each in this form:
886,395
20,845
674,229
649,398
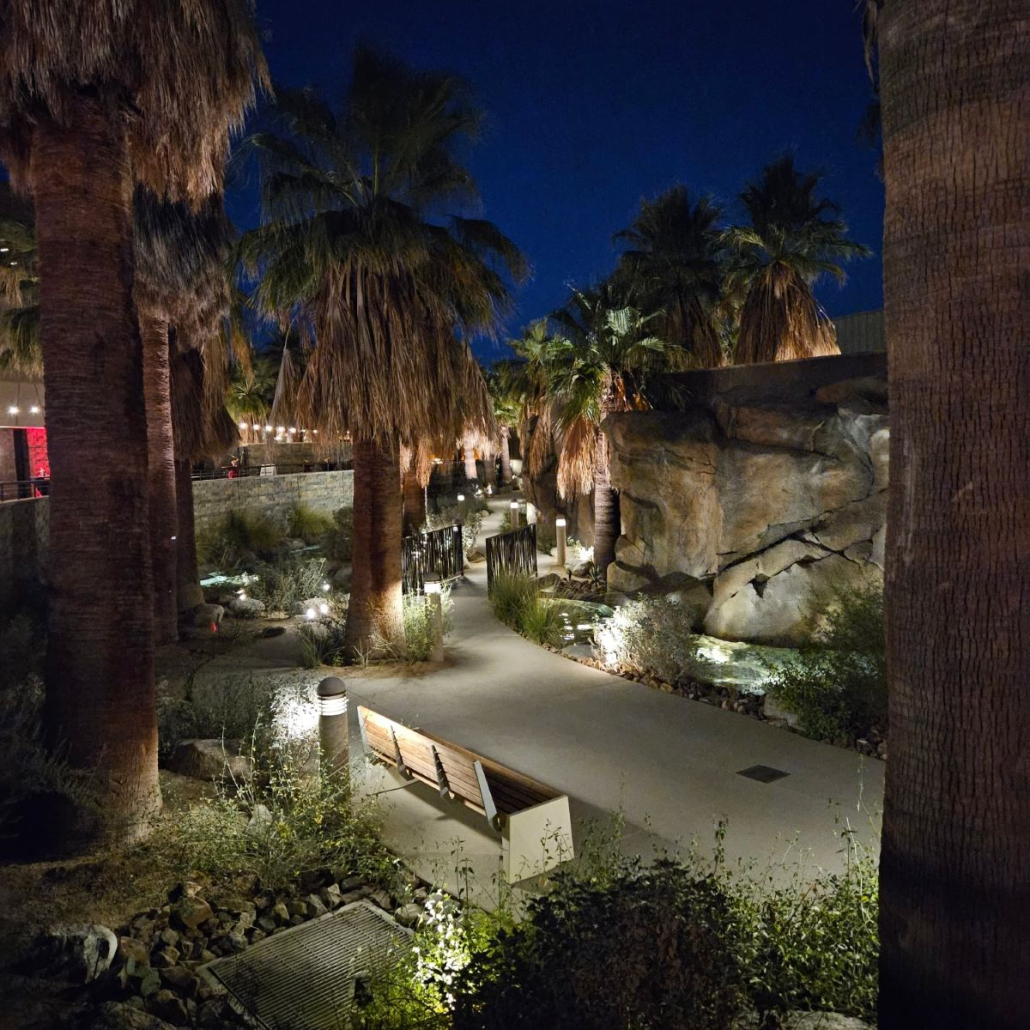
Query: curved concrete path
669,765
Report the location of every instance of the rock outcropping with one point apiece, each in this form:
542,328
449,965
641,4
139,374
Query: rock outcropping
758,503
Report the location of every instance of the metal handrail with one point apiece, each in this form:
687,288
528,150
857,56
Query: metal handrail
439,551
24,489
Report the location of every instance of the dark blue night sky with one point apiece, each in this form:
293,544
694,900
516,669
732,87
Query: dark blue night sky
593,105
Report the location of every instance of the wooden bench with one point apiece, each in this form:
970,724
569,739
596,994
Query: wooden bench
533,819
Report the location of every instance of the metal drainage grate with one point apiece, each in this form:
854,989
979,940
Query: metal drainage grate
306,976
763,773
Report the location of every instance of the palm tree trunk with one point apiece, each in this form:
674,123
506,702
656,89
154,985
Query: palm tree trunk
188,591
414,503
505,457
375,600
606,507
160,475
100,659
469,454
489,469
955,904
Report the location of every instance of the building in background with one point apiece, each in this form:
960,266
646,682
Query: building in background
24,465
861,333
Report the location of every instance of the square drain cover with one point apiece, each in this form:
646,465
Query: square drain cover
306,976
763,773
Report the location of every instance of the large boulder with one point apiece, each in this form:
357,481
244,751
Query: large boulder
772,503
115,1015
79,952
210,759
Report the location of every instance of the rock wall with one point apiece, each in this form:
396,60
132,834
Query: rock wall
24,525
213,499
762,499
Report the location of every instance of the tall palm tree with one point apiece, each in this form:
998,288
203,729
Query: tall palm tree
674,265
19,287
954,896
793,239
92,97
357,247
502,382
601,363
181,281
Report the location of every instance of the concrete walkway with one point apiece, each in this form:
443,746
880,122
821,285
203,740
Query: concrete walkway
669,765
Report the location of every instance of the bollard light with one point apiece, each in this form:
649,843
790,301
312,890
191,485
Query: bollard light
559,533
332,724
434,597
514,514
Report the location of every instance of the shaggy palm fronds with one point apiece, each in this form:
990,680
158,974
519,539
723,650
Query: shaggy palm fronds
576,459
794,238
181,75
19,287
781,320
674,269
356,249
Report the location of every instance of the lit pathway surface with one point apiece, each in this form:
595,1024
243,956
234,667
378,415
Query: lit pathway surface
669,765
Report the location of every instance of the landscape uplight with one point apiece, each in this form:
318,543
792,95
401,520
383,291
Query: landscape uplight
34,410
310,614
12,410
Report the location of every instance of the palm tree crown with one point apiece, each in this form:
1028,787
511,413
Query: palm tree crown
793,239
674,265
130,55
356,246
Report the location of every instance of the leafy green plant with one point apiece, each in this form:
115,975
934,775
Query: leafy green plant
30,770
471,524
837,685
285,584
289,817
322,642
545,537
304,523
338,538
237,536
516,602
651,636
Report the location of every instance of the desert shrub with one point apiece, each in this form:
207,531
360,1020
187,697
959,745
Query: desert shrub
812,945
546,540
30,770
284,584
22,649
289,817
337,540
471,523
516,602
322,642
837,685
304,523
656,947
652,636
237,536
229,711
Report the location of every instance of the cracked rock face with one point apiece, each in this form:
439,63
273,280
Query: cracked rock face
767,509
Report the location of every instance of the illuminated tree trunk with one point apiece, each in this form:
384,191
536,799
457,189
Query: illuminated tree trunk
469,454
160,476
375,599
188,591
505,457
414,503
955,893
606,507
100,655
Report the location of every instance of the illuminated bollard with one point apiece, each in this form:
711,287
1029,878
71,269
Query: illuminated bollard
333,734
461,505
559,533
514,514
434,597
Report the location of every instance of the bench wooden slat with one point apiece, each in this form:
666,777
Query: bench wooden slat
511,792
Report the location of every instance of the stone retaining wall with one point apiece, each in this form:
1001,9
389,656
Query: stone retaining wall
24,524
213,499
761,500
